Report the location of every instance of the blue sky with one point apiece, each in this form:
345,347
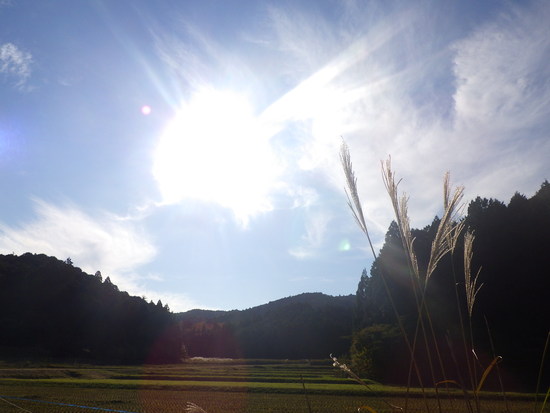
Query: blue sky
189,149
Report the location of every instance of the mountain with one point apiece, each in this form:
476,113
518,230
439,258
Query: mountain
51,309
309,325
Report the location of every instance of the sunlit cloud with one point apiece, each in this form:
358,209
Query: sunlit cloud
374,94
15,64
361,78
296,34
345,80
503,98
302,197
106,243
316,223
355,94
198,62
502,72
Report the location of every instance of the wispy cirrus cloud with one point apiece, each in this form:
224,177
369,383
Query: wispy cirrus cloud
117,247
316,225
475,104
503,74
360,91
296,34
15,64
502,100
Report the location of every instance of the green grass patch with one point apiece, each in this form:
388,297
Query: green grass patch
220,386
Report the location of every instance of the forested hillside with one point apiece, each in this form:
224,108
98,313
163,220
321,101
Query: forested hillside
305,326
49,308
512,309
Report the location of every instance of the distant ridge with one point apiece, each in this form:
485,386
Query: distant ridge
50,309
308,325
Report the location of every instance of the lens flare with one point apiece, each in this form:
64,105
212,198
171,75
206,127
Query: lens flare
344,245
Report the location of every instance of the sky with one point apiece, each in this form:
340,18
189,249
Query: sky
189,150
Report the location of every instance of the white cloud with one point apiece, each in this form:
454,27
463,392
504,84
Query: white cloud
485,118
297,34
15,63
503,74
395,84
359,94
316,225
107,243
503,100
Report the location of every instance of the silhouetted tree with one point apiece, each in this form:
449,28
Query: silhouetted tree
511,248
98,275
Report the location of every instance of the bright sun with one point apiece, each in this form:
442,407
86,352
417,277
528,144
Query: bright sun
214,150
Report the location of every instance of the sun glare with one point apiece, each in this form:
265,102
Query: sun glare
214,150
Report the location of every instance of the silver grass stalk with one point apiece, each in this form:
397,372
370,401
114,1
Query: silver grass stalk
447,233
470,283
446,189
400,208
352,193
457,226
454,234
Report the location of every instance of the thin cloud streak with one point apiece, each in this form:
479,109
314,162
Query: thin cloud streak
115,247
503,100
316,226
15,63
498,70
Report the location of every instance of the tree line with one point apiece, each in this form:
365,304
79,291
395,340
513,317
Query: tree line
511,317
51,309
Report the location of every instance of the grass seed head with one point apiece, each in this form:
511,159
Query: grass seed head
470,283
352,193
400,208
447,231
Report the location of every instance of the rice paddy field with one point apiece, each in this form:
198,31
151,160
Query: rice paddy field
228,386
